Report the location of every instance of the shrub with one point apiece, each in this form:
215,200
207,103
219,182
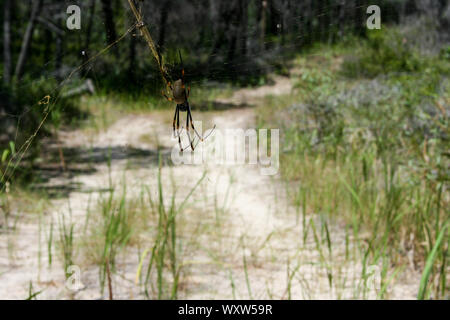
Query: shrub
383,52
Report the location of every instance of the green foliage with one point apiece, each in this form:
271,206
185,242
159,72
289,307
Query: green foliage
424,285
385,51
164,252
373,152
445,53
66,241
34,109
4,163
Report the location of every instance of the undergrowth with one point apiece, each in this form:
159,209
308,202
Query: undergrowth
365,141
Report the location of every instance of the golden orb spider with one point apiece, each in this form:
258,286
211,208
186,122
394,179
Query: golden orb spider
181,96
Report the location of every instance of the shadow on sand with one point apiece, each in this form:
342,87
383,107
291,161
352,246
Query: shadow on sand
57,182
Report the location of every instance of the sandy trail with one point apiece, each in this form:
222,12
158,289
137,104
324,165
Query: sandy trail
244,218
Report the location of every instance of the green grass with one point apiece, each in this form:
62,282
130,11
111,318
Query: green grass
372,152
122,220
104,108
164,251
364,141
66,241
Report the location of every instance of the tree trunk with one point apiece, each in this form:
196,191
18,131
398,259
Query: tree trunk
7,63
58,61
360,14
48,36
283,18
36,8
108,17
308,30
263,24
87,40
59,53
244,25
235,15
132,59
163,23
341,9
222,28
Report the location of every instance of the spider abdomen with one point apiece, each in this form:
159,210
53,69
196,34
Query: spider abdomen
179,92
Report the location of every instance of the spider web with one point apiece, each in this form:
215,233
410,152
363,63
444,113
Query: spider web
50,100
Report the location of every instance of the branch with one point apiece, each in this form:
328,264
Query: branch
87,86
148,39
50,26
27,39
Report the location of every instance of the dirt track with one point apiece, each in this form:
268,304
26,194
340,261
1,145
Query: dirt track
256,219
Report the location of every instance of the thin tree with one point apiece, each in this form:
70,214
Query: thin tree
165,8
108,17
90,23
7,63
244,27
263,24
59,53
35,9
87,40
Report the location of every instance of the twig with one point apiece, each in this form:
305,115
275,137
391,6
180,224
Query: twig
149,40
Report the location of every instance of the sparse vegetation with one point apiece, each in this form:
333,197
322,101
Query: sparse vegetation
87,177
372,153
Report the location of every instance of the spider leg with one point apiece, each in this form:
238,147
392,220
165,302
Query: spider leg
195,145
201,138
177,113
189,114
174,120
188,134
165,96
182,65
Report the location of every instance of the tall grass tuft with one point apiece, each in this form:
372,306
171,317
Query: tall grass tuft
115,234
164,252
372,154
66,237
